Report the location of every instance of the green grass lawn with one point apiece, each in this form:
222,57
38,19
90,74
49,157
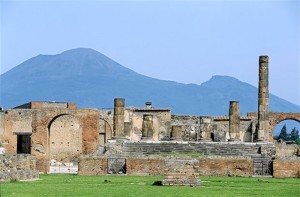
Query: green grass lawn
74,185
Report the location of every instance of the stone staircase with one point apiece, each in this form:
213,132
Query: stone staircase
262,163
205,148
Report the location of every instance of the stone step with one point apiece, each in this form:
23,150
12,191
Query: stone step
208,148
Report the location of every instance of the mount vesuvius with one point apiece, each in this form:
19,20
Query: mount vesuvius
93,80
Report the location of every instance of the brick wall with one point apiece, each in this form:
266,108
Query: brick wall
92,165
181,172
229,166
286,168
145,166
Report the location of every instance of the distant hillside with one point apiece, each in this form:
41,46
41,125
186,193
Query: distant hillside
93,80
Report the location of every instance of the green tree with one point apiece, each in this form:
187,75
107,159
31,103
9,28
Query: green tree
294,134
283,134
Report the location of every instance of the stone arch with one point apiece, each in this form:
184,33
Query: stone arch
65,138
276,118
105,132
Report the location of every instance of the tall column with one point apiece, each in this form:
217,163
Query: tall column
234,121
119,104
263,98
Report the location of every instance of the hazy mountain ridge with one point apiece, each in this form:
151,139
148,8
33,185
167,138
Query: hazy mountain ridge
93,80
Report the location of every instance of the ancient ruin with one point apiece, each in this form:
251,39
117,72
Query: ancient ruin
142,141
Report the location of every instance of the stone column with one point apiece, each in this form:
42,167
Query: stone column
205,129
263,98
176,132
234,121
119,104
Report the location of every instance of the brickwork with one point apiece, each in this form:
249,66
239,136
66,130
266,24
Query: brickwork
286,168
142,166
181,172
92,165
229,166
1,127
274,119
74,131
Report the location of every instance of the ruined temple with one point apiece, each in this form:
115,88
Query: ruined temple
63,138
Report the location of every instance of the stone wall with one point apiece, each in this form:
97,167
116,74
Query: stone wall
225,166
284,150
141,166
159,124
1,128
18,167
219,125
53,125
286,168
92,165
155,165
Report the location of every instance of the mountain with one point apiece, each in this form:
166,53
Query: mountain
93,80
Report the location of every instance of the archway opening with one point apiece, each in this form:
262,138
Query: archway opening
65,144
288,131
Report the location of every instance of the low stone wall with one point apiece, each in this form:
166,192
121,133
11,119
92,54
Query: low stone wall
155,165
141,166
92,165
18,167
225,166
286,168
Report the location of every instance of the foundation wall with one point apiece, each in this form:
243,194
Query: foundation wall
225,166
92,165
286,168
143,166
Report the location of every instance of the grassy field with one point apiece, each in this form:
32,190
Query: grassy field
74,185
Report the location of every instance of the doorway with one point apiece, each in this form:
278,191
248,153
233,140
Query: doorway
23,144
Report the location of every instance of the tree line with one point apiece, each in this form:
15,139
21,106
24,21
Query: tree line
285,136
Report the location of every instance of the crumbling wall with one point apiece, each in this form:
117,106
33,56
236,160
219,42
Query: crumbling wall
105,126
286,168
192,127
181,172
18,167
38,123
143,166
1,128
161,123
225,166
284,150
155,165
92,165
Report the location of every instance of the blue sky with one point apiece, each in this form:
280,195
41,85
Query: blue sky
183,41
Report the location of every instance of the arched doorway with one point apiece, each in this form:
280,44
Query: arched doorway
65,139
288,125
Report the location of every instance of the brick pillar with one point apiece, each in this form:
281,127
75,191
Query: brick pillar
119,104
263,98
234,121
